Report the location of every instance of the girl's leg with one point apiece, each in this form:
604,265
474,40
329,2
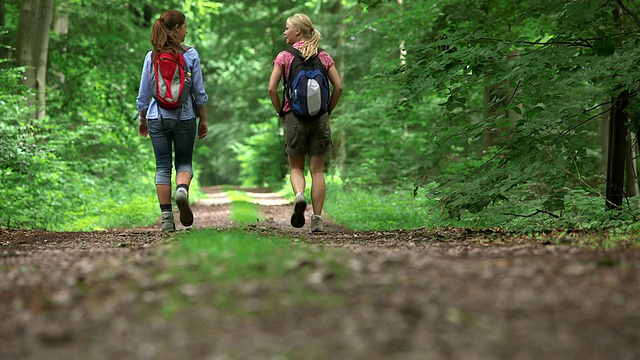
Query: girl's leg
185,133
162,142
318,186
296,169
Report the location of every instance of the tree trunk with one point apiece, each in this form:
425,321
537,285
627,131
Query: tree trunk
604,138
496,98
338,137
618,145
40,54
5,37
61,21
26,31
631,173
617,151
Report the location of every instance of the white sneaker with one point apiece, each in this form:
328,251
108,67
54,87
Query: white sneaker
317,224
299,207
182,200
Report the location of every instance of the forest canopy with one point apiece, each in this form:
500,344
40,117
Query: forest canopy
522,108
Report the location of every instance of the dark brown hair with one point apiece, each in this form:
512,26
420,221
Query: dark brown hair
163,34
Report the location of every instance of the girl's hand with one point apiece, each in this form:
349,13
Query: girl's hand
142,127
203,130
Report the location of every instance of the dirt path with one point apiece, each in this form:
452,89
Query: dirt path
422,294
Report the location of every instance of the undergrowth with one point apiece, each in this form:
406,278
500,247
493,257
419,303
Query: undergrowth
403,207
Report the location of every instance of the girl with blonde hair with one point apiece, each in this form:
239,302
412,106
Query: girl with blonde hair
302,137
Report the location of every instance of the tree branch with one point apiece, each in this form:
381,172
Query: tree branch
628,11
535,213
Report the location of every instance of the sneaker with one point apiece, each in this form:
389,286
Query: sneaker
182,200
167,222
316,224
299,207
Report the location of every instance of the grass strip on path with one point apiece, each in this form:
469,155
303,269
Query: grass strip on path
232,267
236,269
243,210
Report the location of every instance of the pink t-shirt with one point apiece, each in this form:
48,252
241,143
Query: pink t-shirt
285,58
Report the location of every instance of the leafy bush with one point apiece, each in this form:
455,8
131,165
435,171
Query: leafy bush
260,166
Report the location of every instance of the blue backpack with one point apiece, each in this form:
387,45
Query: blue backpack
307,87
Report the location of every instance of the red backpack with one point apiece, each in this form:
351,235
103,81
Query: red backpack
169,78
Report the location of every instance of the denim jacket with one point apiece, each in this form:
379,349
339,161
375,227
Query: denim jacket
146,101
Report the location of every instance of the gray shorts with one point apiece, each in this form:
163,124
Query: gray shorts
306,137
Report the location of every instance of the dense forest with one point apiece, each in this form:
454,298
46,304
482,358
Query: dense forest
471,112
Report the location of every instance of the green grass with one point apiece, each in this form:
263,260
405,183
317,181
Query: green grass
228,260
243,211
232,255
367,209
361,208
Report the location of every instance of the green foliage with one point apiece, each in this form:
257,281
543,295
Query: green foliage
560,85
493,110
243,210
371,209
83,167
257,154
355,207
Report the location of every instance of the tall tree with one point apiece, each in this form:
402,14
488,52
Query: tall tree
41,52
4,52
26,37
33,47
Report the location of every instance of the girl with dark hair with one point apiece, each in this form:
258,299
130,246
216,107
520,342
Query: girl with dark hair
172,132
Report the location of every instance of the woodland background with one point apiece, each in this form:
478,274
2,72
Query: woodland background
512,114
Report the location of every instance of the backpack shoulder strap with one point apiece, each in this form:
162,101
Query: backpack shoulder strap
295,52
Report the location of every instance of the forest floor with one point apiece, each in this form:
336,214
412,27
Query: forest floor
419,294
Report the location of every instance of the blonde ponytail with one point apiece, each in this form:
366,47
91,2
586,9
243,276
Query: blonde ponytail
310,35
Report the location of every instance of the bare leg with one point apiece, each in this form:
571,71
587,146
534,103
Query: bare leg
296,167
183,177
164,193
318,186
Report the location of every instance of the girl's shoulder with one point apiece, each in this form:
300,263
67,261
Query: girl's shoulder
325,58
189,50
191,55
283,57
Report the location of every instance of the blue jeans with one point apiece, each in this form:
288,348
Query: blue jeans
167,134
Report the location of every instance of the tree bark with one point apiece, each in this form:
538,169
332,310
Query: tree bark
61,20
492,136
26,31
339,150
619,146
617,151
604,139
631,174
34,27
4,37
40,54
